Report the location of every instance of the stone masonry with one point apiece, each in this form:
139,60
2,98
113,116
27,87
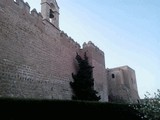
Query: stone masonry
122,84
37,58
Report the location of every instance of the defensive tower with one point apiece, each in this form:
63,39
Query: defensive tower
50,11
37,59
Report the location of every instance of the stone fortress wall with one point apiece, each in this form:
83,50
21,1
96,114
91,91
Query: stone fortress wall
122,84
37,58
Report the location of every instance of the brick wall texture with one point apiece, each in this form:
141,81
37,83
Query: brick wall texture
37,59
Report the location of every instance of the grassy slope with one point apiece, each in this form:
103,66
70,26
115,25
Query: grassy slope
48,110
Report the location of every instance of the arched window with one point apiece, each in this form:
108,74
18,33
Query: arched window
51,14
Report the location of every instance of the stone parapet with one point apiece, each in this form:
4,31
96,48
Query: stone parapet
69,41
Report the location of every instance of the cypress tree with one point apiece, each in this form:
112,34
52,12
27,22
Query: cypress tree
83,84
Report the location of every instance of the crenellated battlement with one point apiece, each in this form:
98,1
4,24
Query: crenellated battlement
69,40
26,8
36,14
37,59
22,10
23,5
93,46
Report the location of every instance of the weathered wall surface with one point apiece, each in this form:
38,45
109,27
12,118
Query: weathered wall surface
122,84
33,61
37,59
97,60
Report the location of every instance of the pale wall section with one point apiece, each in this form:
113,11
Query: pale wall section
37,59
122,84
34,60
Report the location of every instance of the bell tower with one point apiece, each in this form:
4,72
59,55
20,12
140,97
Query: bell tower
50,11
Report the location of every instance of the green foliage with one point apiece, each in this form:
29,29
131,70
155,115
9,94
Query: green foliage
83,84
149,108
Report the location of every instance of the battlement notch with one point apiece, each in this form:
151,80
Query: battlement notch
90,44
34,13
68,40
27,7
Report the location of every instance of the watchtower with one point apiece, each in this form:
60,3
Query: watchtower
50,11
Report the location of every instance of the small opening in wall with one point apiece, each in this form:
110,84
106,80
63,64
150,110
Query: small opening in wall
113,76
50,20
51,14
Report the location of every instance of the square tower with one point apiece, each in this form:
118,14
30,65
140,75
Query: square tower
122,85
50,11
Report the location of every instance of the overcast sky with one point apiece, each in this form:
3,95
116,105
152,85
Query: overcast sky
128,31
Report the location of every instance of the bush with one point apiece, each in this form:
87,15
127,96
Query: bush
149,108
